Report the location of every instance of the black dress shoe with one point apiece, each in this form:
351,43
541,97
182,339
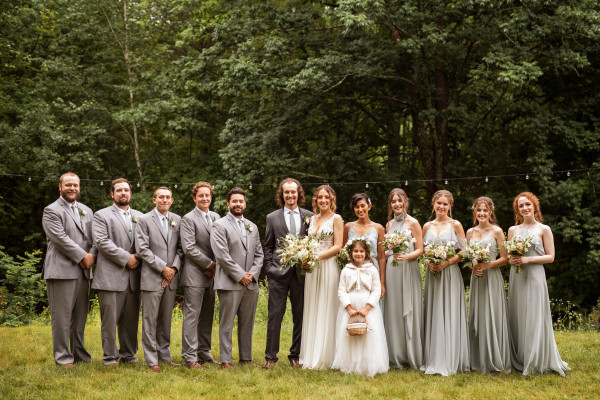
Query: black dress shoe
295,363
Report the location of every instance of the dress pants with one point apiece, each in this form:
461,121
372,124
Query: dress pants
243,304
198,311
157,310
69,304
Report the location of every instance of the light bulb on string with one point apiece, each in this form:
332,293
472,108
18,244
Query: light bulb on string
138,184
175,186
367,185
445,181
250,187
405,183
101,183
486,179
29,179
568,173
527,176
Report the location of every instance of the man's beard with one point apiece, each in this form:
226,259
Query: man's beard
65,194
234,211
123,202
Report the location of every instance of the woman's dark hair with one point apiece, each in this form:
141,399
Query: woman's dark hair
358,197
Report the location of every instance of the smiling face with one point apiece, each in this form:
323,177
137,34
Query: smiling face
203,198
526,207
482,213
397,204
69,188
441,206
237,204
358,254
361,209
162,200
290,194
324,200
121,194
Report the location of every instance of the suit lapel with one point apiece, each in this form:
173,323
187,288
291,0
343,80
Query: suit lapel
67,209
234,222
281,220
201,218
156,220
117,215
302,224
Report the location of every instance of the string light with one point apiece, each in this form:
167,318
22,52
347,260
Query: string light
445,181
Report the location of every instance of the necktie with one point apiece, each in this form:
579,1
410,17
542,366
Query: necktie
165,226
242,229
76,212
128,221
293,230
208,221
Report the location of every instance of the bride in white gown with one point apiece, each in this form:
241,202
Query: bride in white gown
321,286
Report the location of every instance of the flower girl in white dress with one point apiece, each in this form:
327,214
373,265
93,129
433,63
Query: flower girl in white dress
359,292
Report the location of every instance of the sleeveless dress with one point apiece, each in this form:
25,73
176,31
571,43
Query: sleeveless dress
446,340
533,348
403,316
365,354
370,237
321,304
488,321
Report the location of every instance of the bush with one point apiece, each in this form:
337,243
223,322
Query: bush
21,291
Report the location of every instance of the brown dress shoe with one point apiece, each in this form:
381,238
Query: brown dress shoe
68,365
294,363
112,365
270,364
172,364
155,368
194,366
226,365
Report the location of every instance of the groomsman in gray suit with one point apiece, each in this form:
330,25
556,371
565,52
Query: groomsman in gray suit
117,275
290,219
236,245
157,244
197,278
67,270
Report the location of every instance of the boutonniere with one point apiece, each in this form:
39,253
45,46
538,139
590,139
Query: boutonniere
134,219
82,212
306,219
213,218
248,227
172,222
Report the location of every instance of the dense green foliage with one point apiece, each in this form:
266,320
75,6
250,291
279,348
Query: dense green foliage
343,91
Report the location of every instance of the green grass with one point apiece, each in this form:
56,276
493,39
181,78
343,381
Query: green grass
28,371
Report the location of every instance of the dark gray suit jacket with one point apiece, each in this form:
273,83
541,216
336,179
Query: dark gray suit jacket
158,251
234,257
68,240
195,242
111,235
277,228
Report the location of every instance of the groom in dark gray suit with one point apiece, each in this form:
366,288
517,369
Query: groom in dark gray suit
236,245
117,275
67,270
288,219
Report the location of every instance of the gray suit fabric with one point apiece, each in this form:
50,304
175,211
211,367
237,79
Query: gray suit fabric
67,283
236,256
199,296
283,282
156,252
118,287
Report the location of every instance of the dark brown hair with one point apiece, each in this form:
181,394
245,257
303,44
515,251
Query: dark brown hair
235,190
279,195
119,180
365,248
161,188
396,192
358,197
489,204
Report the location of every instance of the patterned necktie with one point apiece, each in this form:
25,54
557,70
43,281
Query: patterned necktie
76,212
293,230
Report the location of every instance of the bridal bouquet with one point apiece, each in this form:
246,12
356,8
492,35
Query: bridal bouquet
517,246
299,251
397,242
475,254
436,253
343,256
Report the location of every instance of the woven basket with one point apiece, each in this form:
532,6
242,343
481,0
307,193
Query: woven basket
356,326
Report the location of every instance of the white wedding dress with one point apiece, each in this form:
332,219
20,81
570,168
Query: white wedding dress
320,306
365,354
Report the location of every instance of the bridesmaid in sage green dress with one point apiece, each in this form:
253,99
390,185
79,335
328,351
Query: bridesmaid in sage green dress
403,316
488,324
533,348
446,340
368,230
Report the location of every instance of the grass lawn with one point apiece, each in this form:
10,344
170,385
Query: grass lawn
28,371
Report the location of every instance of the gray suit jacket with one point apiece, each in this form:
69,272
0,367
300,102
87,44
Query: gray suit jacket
158,251
195,242
111,235
68,240
277,228
234,257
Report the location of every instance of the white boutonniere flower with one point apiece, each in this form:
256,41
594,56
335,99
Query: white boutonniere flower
306,220
82,212
213,218
134,219
172,222
248,227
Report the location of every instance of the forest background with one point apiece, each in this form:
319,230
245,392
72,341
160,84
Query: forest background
366,95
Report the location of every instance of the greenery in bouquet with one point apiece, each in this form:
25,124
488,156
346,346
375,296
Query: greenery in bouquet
517,246
436,253
299,252
474,254
397,242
